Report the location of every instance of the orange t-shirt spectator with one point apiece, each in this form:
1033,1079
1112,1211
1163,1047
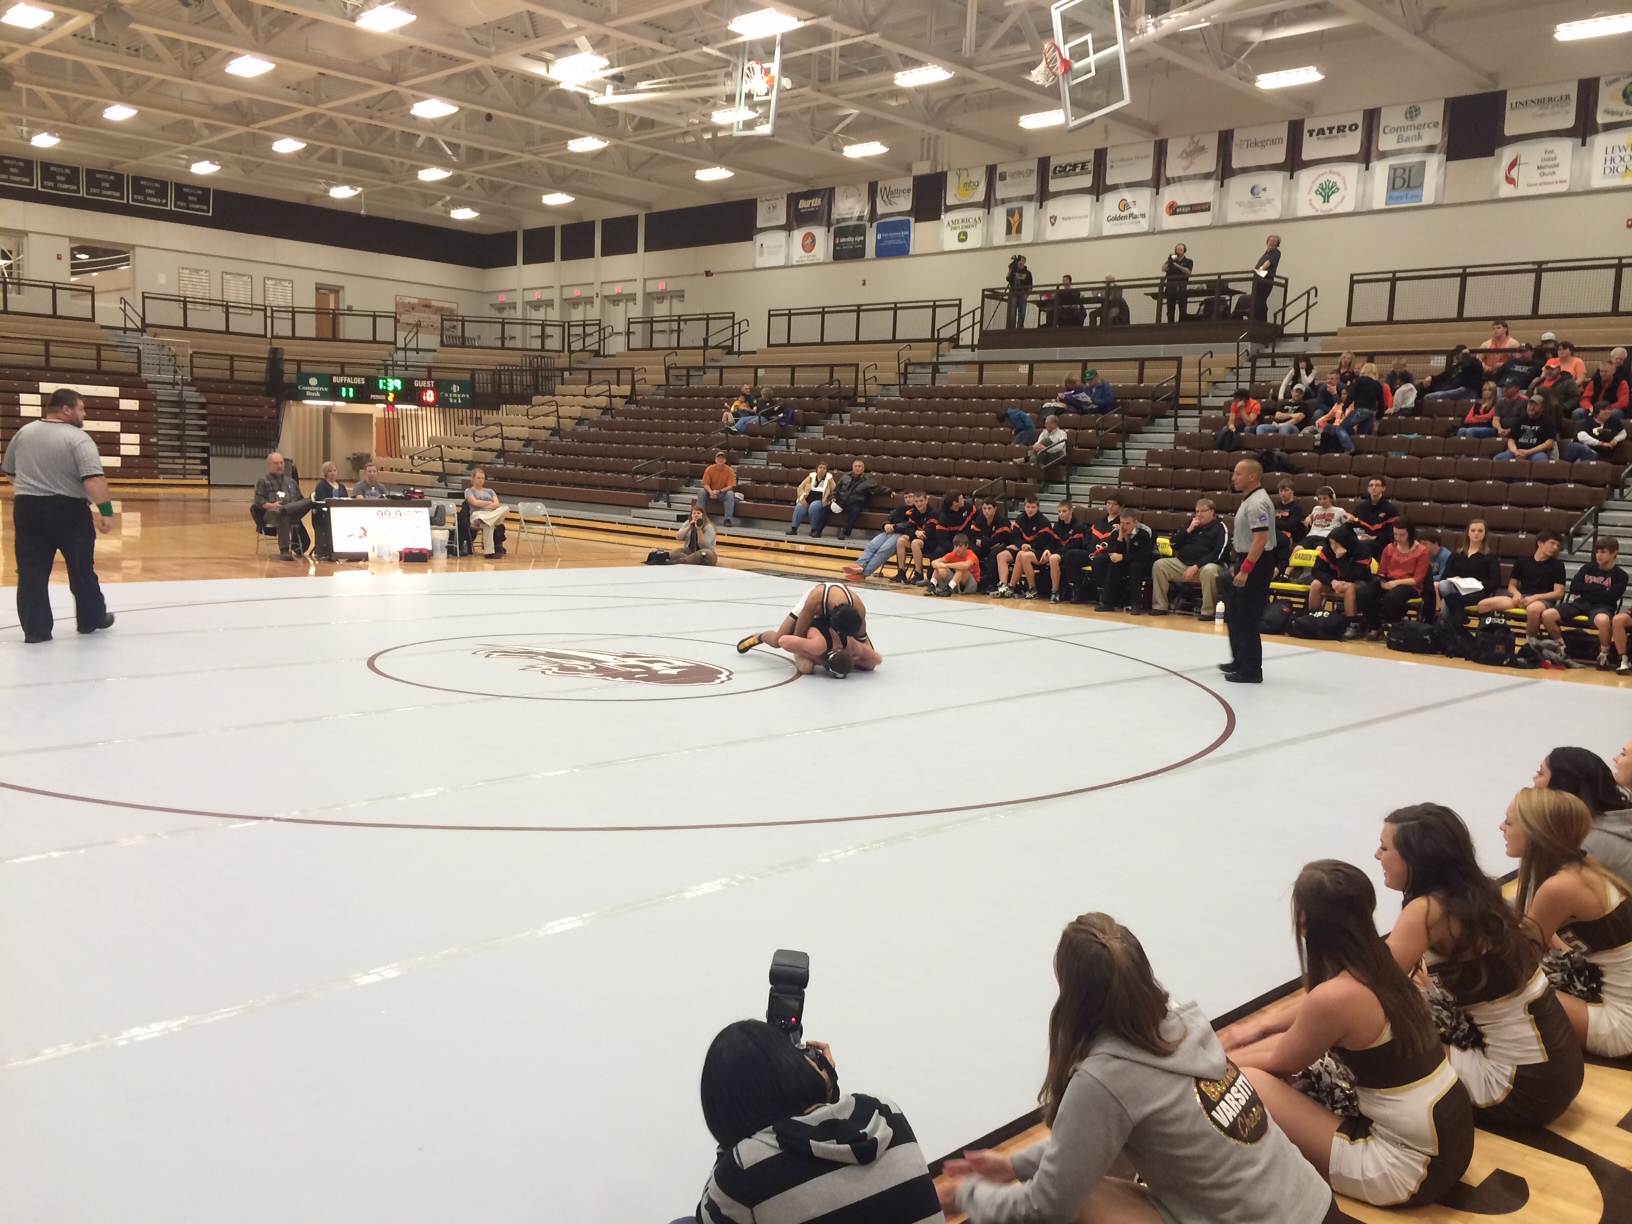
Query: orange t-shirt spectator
1494,352
1244,412
720,487
956,572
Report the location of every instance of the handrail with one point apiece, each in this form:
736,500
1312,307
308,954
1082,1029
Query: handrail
1557,288
967,321
1426,360
1208,297
129,315
847,323
664,330
22,297
274,322
699,375
68,355
1310,298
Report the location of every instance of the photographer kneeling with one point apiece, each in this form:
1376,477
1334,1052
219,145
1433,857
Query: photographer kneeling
792,1148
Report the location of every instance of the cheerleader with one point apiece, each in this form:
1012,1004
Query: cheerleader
1412,1135
1521,1062
1572,901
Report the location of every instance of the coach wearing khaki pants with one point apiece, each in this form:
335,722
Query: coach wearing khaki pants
1198,555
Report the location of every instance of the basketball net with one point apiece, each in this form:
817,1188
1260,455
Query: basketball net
757,79
1053,67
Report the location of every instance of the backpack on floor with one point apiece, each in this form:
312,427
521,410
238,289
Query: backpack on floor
1276,618
1495,645
1319,626
1583,646
658,556
1455,642
1413,637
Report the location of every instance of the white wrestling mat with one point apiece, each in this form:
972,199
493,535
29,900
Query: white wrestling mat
418,898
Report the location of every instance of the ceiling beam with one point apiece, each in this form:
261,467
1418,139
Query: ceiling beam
1416,43
1271,98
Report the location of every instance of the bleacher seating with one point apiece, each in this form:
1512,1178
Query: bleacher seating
121,415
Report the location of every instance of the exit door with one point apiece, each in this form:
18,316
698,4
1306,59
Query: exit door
328,301
615,314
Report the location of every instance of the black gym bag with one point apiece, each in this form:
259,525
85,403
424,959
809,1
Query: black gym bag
1319,626
1413,637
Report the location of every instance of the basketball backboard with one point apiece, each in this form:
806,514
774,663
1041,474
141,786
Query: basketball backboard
1089,34
759,80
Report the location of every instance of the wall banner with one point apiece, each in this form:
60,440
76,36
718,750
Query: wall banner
1536,167
771,248
1615,98
1188,205
1259,146
1333,136
964,230
1188,155
1067,217
1406,182
808,244
894,196
1125,212
966,186
1323,191
1540,108
1259,196
850,241
1130,163
811,208
772,212
1611,159
1014,222
1072,173
1413,125
850,203
892,238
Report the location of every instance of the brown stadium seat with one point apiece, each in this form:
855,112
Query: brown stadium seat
1526,493
1504,518
1459,517
1473,469
1593,472
1450,491
1412,489
1398,467
1573,497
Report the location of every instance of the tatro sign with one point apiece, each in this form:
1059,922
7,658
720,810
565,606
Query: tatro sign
1540,108
1331,136
1415,125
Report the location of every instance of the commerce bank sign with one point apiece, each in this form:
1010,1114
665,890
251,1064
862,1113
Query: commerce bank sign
1415,125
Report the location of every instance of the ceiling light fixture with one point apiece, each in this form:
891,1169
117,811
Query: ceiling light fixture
867,148
578,68
733,114
557,198
288,144
463,214
432,108
1306,75
712,174
929,74
250,66
118,111
204,167
44,140
1593,27
585,144
764,23
81,255
1042,119
384,18
433,174
343,192
27,16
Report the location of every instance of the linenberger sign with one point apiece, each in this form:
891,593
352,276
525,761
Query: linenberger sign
1540,108
1415,125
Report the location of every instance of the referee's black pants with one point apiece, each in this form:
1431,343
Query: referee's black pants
45,526
1244,614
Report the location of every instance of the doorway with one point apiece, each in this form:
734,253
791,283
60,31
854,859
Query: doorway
328,303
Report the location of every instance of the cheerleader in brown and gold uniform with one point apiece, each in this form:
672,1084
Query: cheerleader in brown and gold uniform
1411,1136
1519,1059
1571,900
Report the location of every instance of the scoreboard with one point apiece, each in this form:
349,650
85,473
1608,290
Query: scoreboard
384,389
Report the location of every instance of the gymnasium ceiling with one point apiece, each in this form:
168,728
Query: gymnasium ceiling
347,92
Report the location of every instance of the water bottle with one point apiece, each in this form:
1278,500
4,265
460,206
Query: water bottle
1218,613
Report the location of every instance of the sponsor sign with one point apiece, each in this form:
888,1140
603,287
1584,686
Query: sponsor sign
772,212
1188,205
1413,125
850,203
850,240
1187,155
1615,98
1539,108
892,238
807,244
1075,173
811,208
1130,163
1323,191
1254,197
1016,221
1017,180
894,196
1126,211
1067,217
1611,161
1536,167
964,230
1333,136
966,186
771,248
1259,146
1405,182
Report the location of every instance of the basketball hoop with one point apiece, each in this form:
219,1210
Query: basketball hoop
757,79
1053,67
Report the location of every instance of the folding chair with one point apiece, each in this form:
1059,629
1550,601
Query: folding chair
539,512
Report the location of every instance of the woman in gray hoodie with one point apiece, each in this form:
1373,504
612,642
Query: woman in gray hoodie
1133,1075
1583,774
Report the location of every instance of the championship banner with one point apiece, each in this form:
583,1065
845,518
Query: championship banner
1067,217
1332,137
1535,167
1074,173
1259,146
771,212
966,187
1406,182
1017,180
1191,155
1126,211
1259,196
1414,125
1611,159
964,230
894,196
1539,108
1324,191
1130,163
1188,205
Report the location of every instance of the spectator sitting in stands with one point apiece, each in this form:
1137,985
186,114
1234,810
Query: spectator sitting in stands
1570,363
1324,518
1524,367
1302,374
1438,555
1596,592
1122,568
886,544
1599,440
1618,356
1533,438
912,537
484,514
1606,794
1479,421
1068,308
369,485
1608,386
1462,377
1030,536
1496,351
1472,575
1067,544
1365,400
1346,371
1402,399
851,495
1339,570
1072,398
1242,417
1052,445
1548,348
277,501
1291,414
1025,429
1290,520
992,538
743,411
1510,409
1100,392
720,487
1198,556
1398,376
1558,390
1329,395
954,517
696,536
1535,584
1374,516
1402,575
810,500
957,572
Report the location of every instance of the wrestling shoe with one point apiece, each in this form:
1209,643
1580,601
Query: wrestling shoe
748,643
1029,593
1005,591
1054,597
1625,666
900,576
1603,660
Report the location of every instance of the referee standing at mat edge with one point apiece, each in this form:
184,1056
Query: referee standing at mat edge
1247,597
58,475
